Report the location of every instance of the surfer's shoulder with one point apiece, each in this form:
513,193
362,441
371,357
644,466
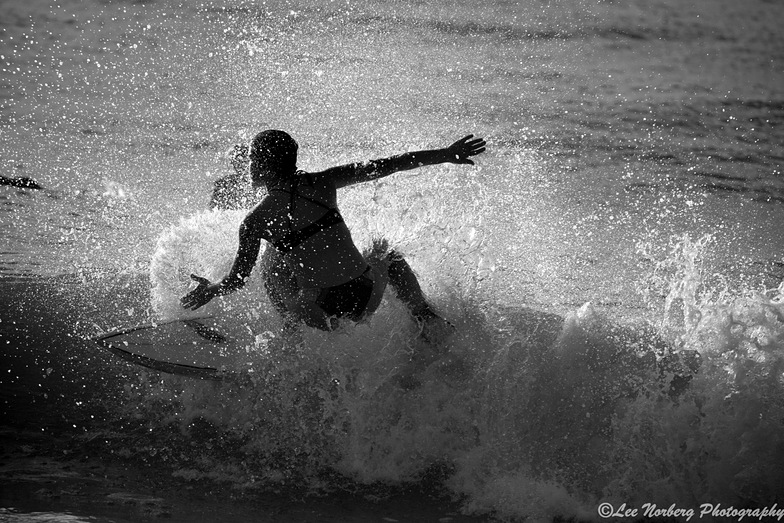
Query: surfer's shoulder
261,215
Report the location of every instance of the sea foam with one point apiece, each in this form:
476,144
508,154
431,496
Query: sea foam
528,415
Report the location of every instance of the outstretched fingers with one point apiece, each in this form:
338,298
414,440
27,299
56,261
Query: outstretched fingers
198,296
476,146
468,146
191,301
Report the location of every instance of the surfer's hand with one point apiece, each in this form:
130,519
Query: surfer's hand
201,294
460,151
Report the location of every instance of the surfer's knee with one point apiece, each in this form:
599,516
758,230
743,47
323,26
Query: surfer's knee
406,286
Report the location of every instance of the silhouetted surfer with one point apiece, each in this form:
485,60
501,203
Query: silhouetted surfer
314,273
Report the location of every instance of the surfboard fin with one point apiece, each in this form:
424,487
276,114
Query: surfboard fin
206,332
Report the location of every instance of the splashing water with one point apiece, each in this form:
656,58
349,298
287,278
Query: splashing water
721,439
531,415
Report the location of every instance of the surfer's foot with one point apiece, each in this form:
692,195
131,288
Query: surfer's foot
434,331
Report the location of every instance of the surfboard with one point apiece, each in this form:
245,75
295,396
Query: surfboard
193,347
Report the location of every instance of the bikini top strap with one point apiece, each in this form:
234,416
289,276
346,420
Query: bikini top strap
295,237
292,239
295,193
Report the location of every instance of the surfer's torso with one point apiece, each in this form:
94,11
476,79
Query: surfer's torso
301,220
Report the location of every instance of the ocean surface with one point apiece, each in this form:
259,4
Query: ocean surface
613,263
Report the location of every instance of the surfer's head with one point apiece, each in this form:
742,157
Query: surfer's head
273,156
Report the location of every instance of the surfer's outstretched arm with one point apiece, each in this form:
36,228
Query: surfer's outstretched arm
251,234
459,152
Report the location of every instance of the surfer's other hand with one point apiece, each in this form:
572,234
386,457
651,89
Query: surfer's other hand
460,151
200,295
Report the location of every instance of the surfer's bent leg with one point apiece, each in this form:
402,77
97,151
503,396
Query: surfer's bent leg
403,280
434,328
